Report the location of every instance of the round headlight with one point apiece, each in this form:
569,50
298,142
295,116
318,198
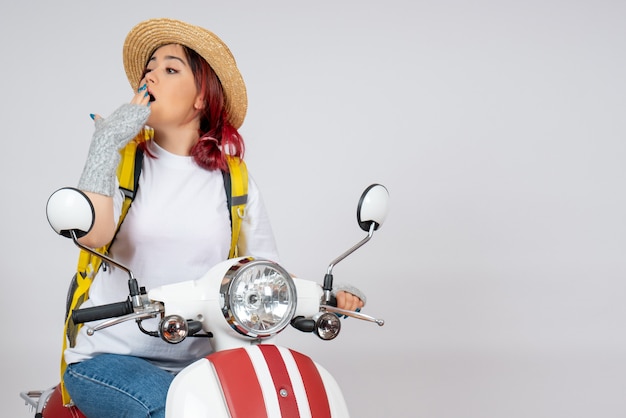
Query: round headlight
258,297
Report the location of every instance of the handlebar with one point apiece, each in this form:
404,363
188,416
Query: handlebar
95,313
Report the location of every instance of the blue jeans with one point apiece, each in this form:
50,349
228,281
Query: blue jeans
113,385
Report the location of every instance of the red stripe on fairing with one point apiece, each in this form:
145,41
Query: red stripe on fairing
313,384
239,383
280,376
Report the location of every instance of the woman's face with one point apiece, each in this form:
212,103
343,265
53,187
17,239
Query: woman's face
174,96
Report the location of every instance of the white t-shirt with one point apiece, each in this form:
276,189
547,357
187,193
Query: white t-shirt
177,228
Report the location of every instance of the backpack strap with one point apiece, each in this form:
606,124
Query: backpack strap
236,186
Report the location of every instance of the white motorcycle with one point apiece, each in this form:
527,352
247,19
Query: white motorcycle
240,304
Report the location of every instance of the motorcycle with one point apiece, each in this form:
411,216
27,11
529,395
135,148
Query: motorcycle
241,304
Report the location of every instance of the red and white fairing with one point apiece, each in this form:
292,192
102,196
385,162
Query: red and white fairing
261,381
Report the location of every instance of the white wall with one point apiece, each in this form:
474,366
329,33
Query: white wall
497,126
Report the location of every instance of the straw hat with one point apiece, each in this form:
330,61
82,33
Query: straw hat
147,36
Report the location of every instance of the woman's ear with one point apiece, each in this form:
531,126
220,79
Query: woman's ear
199,103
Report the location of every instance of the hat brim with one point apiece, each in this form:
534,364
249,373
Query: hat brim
146,37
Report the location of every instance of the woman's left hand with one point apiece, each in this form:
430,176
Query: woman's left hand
348,301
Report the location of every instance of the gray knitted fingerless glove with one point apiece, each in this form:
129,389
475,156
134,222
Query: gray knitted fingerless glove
350,289
111,135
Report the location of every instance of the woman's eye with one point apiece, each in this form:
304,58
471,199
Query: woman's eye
170,71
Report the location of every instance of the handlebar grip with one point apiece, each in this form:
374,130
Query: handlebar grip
95,313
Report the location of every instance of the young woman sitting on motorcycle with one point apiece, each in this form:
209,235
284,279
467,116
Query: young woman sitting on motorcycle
188,90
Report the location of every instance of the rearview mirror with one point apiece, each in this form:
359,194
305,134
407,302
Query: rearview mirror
373,207
70,209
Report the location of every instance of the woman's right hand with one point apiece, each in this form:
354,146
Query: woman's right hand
111,135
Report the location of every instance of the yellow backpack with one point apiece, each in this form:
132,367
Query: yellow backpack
128,171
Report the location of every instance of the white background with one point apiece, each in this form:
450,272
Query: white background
497,126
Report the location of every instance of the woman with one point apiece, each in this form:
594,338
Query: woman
189,91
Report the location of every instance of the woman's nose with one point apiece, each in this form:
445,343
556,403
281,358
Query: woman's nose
150,77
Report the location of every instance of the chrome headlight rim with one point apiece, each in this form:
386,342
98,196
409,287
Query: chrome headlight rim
234,275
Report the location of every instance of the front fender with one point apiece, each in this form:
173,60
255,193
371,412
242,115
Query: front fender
256,381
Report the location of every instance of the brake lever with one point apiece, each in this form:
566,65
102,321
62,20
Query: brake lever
353,314
144,314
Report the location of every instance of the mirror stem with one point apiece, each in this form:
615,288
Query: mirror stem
132,282
328,278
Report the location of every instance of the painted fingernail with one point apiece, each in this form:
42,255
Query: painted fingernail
147,94
142,88
92,116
